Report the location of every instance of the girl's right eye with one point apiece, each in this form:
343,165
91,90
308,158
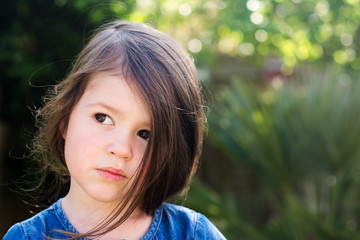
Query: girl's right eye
103,118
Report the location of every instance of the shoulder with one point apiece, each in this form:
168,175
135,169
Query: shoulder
179,213
178,222
206,229
39,226
33,227
15,232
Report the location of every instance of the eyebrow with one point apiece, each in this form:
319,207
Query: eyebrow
104,105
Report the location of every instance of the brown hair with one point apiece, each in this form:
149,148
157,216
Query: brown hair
166,77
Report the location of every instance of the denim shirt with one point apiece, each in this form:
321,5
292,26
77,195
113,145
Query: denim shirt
169,222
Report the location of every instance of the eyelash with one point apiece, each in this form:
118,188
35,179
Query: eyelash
101,118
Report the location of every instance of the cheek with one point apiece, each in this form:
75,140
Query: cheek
136,163
140,150
71,152
146,166
79,147
141,146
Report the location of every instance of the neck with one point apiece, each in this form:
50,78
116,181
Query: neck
86,215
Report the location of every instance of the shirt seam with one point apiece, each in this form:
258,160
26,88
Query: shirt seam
196,224
23,231
60,214
158,219
26,235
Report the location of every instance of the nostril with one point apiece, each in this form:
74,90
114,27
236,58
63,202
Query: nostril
120,147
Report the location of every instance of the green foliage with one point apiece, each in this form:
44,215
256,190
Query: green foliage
299,139
293,30
222,210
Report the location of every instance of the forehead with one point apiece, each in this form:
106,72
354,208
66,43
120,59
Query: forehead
105,81
115,90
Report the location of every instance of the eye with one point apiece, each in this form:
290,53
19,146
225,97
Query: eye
103,118
144,134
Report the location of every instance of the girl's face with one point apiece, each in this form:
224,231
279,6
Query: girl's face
105,140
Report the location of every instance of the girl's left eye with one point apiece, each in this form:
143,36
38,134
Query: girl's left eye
144,134
103,118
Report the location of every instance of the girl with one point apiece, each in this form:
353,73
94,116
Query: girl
126,126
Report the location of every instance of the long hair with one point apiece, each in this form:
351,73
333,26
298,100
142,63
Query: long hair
165,76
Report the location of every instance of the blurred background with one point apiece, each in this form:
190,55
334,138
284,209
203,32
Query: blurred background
281,79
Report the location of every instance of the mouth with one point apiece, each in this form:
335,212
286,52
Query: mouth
112,174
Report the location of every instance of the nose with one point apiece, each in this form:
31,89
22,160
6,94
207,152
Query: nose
120,145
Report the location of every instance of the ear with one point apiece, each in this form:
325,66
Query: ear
62,128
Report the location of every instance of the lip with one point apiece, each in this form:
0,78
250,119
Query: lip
112,174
